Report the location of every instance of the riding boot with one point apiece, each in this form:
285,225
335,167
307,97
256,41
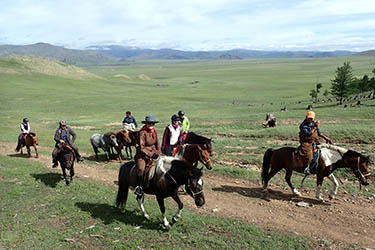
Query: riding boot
306,170
138,191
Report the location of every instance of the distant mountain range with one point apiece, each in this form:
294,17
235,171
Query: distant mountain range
68,56
114,54
134,53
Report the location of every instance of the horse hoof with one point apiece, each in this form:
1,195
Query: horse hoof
147,217
67,182
331,197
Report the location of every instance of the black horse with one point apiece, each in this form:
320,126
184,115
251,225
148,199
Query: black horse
193,138
66,158
162,185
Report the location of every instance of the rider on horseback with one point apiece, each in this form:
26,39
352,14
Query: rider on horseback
129,122
184,123
172,136
309,137
25,129
62,135
148,150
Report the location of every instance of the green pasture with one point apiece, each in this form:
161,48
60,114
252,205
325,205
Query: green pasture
225,100
38,211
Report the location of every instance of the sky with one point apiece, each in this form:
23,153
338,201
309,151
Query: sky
323,25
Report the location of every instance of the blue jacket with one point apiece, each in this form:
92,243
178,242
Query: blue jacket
130,120
305,128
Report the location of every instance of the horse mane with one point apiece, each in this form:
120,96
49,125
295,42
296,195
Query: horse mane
353,153
198,138
180,167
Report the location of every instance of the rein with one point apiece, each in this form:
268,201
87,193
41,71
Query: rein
201,157
194,194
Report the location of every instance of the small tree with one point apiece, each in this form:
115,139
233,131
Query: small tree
363,84
341,84
371,84
326,93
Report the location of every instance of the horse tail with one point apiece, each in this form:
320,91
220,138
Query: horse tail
123,185
266,164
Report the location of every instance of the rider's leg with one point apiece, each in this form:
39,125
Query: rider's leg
76,152
141,164
20,137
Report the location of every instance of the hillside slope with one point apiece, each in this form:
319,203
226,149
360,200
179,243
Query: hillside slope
25,65
69,56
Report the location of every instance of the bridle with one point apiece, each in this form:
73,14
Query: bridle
188,186
200,153
358,170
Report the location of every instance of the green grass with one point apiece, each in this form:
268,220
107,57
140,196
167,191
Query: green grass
39,211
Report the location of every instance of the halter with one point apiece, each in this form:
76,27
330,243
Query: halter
201,157
194,194
358,170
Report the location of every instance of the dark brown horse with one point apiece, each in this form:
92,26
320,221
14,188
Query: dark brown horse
66,159
283,158
163,185
31,140
123,139
193,138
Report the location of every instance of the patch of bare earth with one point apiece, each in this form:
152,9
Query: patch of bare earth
346,222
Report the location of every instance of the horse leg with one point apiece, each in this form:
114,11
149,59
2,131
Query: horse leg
28,151
333,179
64,174
319,182
36,152
96,151
288,177
71,173
162,210
140,200
268,178
180,206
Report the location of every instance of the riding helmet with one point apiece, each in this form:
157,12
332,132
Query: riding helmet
181,112
175,118
25,120
62,123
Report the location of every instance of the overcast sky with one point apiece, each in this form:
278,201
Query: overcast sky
192,24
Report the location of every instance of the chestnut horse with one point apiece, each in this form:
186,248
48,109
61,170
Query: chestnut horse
283,158
163,185
193,138
123,139
66,159
133,136
31,140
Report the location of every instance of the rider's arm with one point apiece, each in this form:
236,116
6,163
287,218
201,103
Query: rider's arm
142,145
73,135
325,138
57,137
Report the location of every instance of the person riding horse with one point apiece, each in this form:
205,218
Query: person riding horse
184,123
62,136
25,129
148,150
309,137
172,137
129,122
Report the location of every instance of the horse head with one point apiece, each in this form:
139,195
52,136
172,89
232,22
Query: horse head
31,139
204,155
67,156
123,136
113,140
194,186
196,152
193,138
359,164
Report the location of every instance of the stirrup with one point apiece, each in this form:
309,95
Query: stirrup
138,191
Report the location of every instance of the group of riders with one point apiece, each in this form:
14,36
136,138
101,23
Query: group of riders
148,148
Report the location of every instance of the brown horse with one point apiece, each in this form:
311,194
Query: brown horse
31,140
283,158
123,139
193,153
133,135
163,185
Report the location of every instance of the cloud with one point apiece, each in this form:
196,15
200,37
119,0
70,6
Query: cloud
194,24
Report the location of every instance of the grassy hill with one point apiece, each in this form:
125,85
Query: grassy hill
25,65
68,56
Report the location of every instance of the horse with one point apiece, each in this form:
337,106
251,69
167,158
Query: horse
123,138
104,142
284,158
31,140
193,138
162,185
192,153
66,158
133,135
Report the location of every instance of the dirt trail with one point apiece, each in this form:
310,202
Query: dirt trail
344,222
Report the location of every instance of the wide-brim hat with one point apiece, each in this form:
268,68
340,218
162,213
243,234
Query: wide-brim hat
150,119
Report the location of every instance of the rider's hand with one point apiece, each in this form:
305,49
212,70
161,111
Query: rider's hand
155,156
62,141
317,122
329,141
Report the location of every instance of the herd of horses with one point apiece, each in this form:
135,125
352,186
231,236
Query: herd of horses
169,173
